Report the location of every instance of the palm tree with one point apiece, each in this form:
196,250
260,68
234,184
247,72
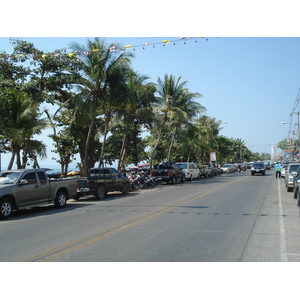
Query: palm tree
174,107
189,143
102,69
22,121
136,110
208,130
188,110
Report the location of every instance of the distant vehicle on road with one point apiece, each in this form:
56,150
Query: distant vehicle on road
227,168
258,168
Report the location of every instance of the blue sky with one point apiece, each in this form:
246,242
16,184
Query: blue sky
250,83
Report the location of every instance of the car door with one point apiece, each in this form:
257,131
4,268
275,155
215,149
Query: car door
27,191
118,182
109,180
43,187
193,170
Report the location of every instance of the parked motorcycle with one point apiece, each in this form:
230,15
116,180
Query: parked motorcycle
134,183
142,181
152,182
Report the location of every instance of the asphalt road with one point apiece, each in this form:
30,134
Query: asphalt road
228,218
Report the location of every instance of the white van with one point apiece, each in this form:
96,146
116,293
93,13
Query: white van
190,170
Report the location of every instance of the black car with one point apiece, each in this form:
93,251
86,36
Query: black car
257,168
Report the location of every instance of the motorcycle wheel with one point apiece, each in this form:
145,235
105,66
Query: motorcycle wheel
150,184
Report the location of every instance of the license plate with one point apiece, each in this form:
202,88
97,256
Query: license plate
159,178
257,170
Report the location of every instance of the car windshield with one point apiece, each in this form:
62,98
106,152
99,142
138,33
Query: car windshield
258,166
9,177
183,166
294,168
225,166
165,167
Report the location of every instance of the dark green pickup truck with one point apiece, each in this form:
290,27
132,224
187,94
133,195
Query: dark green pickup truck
101,181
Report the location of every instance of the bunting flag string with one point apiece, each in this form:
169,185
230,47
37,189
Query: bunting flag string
111,49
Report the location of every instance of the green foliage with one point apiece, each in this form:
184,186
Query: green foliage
101,109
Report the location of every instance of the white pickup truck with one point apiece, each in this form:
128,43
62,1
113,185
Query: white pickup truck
31,187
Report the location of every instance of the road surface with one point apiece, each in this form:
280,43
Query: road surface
228,218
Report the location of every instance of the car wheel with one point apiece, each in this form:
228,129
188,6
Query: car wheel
183,179
295,194
126,189
100,192
60,199
6,208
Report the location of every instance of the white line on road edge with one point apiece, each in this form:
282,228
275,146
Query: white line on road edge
281,226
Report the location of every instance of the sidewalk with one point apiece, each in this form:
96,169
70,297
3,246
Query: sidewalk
290,227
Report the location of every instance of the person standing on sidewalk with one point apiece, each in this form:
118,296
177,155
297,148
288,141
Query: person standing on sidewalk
278,170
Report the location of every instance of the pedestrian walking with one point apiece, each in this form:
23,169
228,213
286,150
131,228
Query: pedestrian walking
278,170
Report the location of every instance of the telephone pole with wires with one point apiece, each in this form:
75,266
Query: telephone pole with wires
292,132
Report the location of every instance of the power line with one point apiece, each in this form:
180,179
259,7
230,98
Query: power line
295,107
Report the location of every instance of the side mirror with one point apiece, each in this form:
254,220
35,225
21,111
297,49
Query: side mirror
23,181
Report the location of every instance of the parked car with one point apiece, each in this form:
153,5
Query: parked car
203,172
101,181
258,168
212,169
296,187
283,170
190,170
290,173
168,172
206,170
26,188
227,168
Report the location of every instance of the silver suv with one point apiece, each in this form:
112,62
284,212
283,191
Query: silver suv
290,173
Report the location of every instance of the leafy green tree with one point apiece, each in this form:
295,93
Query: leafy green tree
136,110
174,102
46,77
101,86
208,130
21,116
187,110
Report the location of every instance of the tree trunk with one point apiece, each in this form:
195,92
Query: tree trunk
123,150
12,159
101,163
172,143
157,142
87,147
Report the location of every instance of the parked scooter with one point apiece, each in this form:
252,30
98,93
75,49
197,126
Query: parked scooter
152,182
142,181
134,183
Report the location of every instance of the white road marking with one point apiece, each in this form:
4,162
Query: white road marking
283,248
